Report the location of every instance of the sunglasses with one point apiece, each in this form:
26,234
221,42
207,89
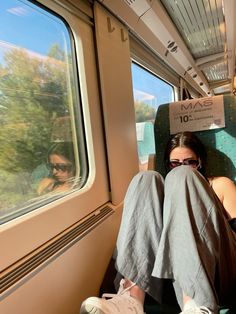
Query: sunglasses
188,162
60,167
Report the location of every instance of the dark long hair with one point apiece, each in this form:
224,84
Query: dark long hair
188,140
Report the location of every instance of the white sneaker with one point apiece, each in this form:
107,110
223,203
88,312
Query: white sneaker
120,303
191,308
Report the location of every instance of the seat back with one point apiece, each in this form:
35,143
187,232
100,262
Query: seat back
145,140
220,143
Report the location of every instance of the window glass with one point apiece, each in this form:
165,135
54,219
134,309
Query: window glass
149,92
42,155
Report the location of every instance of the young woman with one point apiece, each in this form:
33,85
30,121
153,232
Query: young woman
60,162
175,229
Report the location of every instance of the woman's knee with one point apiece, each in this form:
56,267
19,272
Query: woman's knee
184,173
185,186
145,178
146,183
184,180
149,175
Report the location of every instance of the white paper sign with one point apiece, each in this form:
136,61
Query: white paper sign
140,128
197,114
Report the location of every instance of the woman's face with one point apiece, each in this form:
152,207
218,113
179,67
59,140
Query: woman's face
183,155
61,168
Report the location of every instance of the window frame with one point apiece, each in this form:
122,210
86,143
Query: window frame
39,226
144,58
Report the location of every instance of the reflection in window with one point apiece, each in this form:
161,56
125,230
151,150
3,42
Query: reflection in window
149,92
61,169
41,147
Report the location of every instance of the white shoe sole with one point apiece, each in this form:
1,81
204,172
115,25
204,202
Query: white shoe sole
90,309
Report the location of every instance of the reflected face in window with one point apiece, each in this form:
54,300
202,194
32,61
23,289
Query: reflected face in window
61,168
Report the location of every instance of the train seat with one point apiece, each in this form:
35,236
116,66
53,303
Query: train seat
220,143
145,140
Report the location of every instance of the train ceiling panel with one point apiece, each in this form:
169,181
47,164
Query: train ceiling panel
196,38
216,72
201,24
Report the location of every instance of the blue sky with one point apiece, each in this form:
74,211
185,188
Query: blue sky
26,25
149,89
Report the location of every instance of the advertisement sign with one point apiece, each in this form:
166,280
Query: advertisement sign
197,114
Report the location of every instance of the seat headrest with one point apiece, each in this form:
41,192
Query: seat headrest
220,143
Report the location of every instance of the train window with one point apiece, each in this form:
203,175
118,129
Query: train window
149,92
42,151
